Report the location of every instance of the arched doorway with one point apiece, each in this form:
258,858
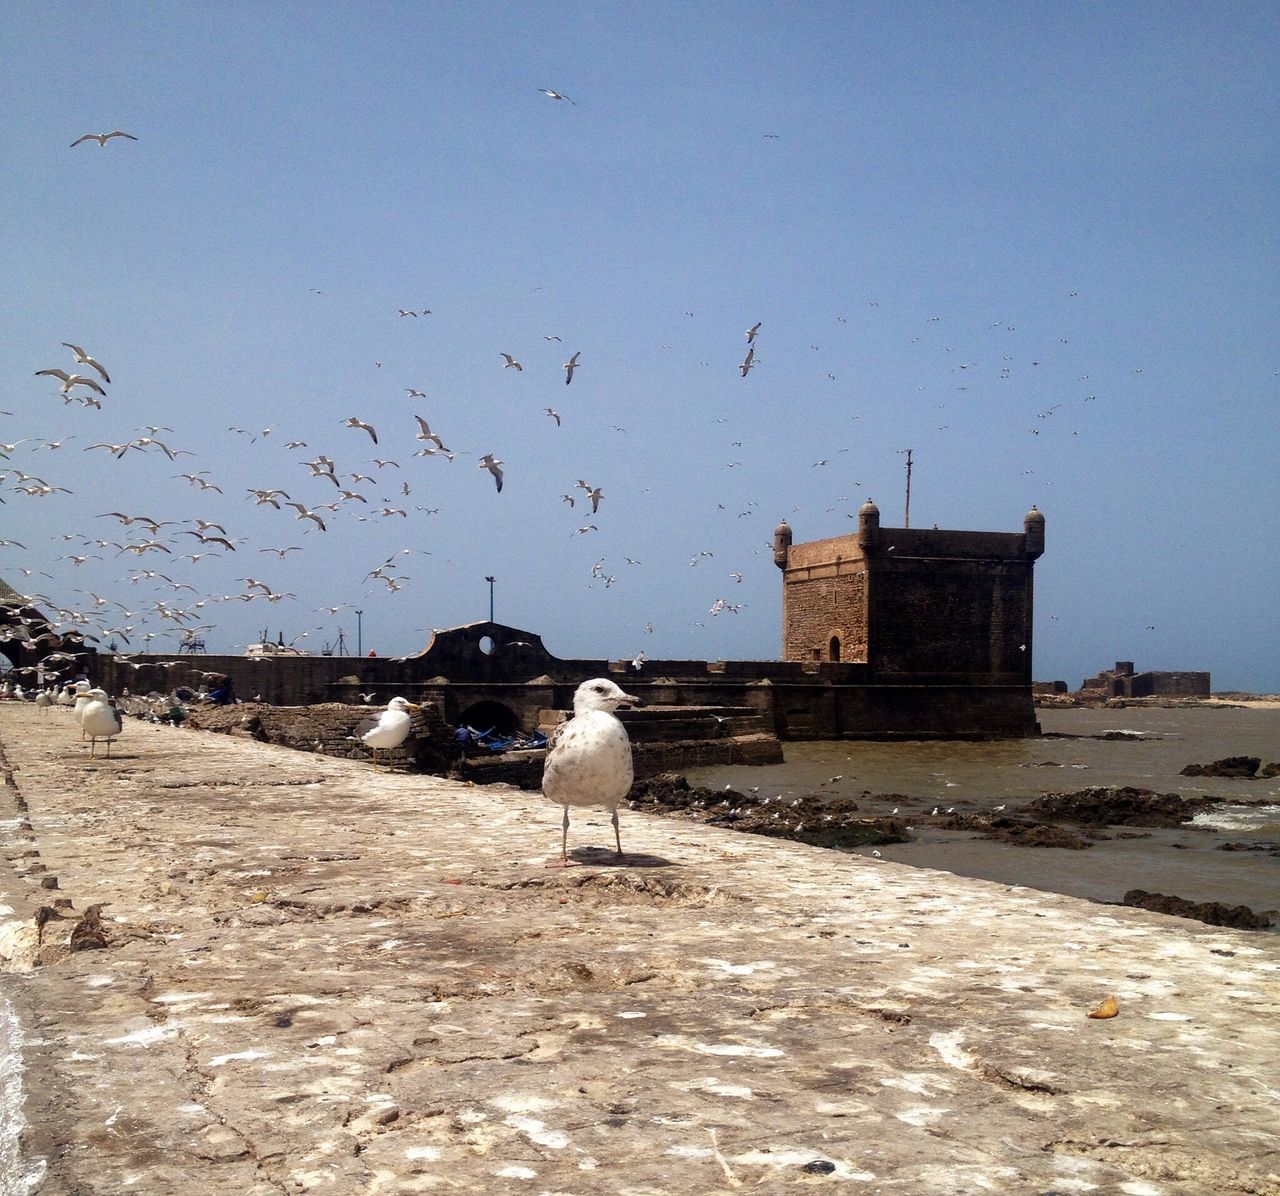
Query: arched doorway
486,715
833,649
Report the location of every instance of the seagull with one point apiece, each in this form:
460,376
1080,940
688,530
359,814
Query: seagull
512,363
83,358
102,138
99,719
70,380
388,730
491,463
555,415
414,393
425,433
751,332
353,422
595,495
589,759
748,361
556,95
569,367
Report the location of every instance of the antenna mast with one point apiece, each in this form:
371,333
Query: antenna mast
906,517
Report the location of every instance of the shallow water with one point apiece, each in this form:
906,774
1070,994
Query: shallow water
917,777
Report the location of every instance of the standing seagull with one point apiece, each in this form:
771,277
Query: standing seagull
492,464
589,761
100,720
569,367
102,138
387,730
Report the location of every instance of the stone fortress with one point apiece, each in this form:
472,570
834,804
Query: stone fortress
886,633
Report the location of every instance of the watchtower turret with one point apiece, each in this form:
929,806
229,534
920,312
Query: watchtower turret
868,526
781,544
1033,525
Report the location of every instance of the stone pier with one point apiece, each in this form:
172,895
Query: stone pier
243,969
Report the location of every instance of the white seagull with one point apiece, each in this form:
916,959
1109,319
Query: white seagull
569,367
589,760
512,363
70,380
751,332
83,358
99,719
353,422
492,464
387,730
102,138
556,95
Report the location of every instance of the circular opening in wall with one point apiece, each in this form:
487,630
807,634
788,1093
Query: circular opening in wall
487,646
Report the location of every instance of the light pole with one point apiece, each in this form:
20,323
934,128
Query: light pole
490,580
359,633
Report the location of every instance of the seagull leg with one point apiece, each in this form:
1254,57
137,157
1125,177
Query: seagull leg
563,861
617,835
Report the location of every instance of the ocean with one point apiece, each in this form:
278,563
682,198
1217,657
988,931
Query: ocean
1076,751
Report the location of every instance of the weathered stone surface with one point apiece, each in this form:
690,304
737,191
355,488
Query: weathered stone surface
372,983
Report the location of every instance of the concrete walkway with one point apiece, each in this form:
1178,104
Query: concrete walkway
321,978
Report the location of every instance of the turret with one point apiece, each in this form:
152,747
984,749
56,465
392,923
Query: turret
1033,525
781,544
868,526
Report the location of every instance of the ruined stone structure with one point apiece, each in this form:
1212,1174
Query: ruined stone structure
926,606
1123,682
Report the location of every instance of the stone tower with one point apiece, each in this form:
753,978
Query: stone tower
912,605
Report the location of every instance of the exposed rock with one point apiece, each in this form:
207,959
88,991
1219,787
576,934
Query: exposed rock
809,819
1119,806
1215,913
1238,767
1035,834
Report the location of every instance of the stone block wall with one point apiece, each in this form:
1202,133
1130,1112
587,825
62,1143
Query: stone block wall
328,729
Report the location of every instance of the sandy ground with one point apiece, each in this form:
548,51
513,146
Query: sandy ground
321,978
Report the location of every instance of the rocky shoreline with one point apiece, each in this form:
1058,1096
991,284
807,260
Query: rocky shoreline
1065,820
305,975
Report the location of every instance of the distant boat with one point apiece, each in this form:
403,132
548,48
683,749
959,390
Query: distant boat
267,649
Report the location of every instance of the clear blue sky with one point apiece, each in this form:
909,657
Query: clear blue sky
1035,243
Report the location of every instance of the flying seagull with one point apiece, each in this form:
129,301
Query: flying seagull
748,361
70,380
492,464
569,367
555,415
556,95
512,363
751,332
83,358
102,138
353,422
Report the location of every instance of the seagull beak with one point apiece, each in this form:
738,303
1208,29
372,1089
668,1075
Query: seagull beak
631,700
413,705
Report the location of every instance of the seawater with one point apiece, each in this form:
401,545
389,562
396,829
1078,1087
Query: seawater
1148,749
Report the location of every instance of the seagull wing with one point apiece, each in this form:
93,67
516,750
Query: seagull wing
62,374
